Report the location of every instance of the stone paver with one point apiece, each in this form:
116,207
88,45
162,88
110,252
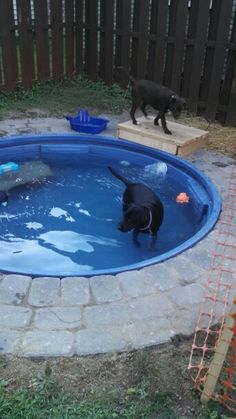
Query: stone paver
55,318
9,340
186,296
151,307
74,291
14,317
93,341
47,343
136,283
13,289
113,314
45,316
44,291
105,288
152,332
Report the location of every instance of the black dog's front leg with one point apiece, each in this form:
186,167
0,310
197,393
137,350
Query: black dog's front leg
157,119
143,109
135,104
135,238
163,123
152,245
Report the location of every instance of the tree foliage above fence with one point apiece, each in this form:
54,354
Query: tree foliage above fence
188,45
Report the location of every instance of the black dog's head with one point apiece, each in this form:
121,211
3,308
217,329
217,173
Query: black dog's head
176,105
136,217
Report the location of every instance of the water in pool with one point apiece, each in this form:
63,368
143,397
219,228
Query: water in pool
68,225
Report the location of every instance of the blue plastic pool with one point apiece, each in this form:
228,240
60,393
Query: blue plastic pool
66,225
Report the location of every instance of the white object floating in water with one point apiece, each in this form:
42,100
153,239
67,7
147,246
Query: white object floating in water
124,163
159,168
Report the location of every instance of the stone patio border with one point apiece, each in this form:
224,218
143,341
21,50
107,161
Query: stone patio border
50,317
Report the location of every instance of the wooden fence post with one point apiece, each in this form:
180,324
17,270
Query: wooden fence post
219,357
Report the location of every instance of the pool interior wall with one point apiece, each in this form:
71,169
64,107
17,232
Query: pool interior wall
204,196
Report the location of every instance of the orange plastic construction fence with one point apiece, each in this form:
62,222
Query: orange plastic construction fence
219,295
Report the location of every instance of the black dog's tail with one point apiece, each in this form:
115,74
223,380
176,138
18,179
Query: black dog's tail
131,78
120,177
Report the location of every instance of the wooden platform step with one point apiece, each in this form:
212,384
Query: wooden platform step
183,141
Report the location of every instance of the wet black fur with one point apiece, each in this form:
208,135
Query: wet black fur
138,201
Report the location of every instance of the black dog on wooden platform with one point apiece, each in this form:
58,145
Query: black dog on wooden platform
161,98
142,209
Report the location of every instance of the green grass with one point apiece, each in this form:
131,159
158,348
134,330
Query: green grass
149,384
64,97
45,399
24,404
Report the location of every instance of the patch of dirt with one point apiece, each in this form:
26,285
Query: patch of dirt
221,139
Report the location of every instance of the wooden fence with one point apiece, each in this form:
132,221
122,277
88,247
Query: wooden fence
188,45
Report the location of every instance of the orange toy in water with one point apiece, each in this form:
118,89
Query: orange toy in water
182,198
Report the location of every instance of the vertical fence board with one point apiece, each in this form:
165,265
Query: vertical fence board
79,36
152,40
218,61
123,37
198,23
230,65
134,43
172,10
69,37
9,44
26,42
178,53
41,40
1,68
231,112
228,96
91,40
142,38
210,45
57,39
102,49
106,40
190,45
159,13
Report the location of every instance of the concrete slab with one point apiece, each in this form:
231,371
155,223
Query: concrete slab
183,141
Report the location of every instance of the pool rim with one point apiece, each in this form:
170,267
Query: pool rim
115,142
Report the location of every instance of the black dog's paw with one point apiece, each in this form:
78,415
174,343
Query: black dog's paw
156,122
168,132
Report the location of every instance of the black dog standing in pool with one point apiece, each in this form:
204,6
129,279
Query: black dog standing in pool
142,210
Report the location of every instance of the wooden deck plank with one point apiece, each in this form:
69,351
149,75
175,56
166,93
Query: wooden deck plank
184,139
